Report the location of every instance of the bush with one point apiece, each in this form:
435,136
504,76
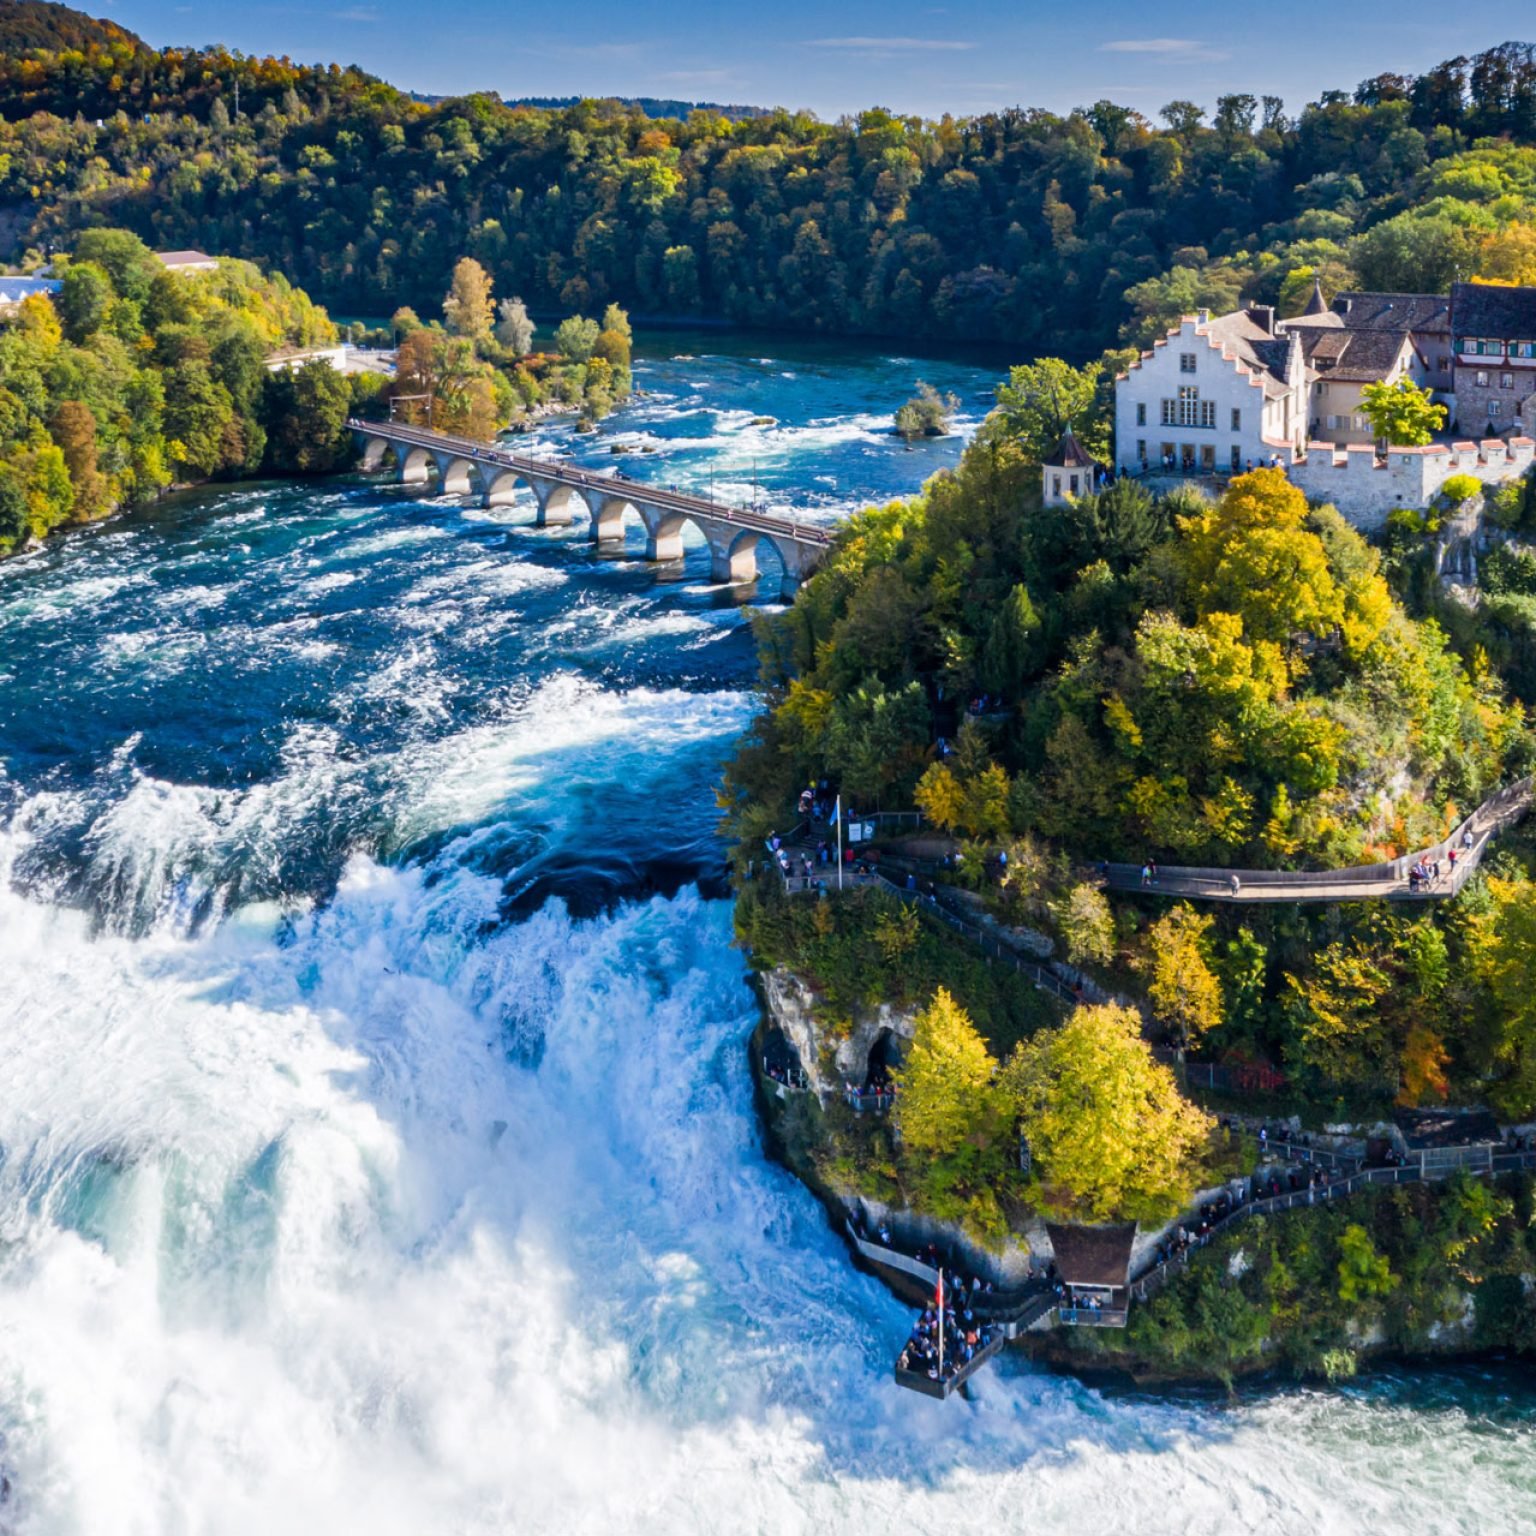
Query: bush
1459,489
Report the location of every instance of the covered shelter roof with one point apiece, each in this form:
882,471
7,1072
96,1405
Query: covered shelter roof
1093,1256
1070,454
1425,1130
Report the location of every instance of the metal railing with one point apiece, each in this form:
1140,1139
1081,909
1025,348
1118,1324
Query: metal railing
941,1387
1093,1317
1152,1279
877,1100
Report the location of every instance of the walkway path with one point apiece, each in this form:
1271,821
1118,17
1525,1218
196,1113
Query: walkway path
1361,883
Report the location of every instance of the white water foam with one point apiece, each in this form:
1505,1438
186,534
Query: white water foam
291,1244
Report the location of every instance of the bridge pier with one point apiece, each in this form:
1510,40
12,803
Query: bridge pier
374,449
799,560
607,518
414,466
732,556
663,535
456,474
554,506
500,488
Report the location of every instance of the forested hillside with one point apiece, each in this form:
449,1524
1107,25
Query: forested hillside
132,378
26,24
1040,231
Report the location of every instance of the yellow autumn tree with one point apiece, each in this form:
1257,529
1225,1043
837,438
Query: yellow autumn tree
953,1119
1184,988
1109,1134
1250,554
1508,255
941,797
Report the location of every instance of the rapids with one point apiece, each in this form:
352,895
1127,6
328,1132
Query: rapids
377,1146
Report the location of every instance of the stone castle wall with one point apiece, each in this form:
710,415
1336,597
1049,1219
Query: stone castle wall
1367,490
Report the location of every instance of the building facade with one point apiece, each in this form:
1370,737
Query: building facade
1215,397
1494,342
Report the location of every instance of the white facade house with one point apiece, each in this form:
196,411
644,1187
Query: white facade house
1214,397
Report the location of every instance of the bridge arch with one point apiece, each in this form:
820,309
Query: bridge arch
608,516
458,475
416,464
500,486
664,532
375,450
733,554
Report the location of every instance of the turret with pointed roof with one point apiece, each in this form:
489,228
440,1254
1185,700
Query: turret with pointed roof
1069,472
1317,304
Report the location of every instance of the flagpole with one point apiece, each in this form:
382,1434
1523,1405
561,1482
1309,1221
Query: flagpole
837,816
941,1324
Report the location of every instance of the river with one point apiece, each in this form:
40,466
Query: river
377,1147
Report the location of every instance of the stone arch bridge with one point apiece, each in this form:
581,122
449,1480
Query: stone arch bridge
465,467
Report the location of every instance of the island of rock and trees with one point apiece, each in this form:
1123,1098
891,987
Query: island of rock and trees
1002,694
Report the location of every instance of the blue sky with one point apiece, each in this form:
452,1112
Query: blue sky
903,54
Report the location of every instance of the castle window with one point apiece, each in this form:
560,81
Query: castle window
1189,410
1141,413
1482,379
1237,419
1506,381
1186,362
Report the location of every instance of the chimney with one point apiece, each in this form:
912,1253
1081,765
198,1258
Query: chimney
1263,316
1203,316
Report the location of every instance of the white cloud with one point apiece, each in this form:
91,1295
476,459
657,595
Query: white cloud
891,44
1165,47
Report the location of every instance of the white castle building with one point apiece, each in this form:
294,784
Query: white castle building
1222,395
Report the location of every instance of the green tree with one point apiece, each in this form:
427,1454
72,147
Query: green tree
1505,961
198,417
1402,414
577,338
306,412
927,414
1087,925
953,1120
83,299
1042,399
1109,1134
1364,1274
14,523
